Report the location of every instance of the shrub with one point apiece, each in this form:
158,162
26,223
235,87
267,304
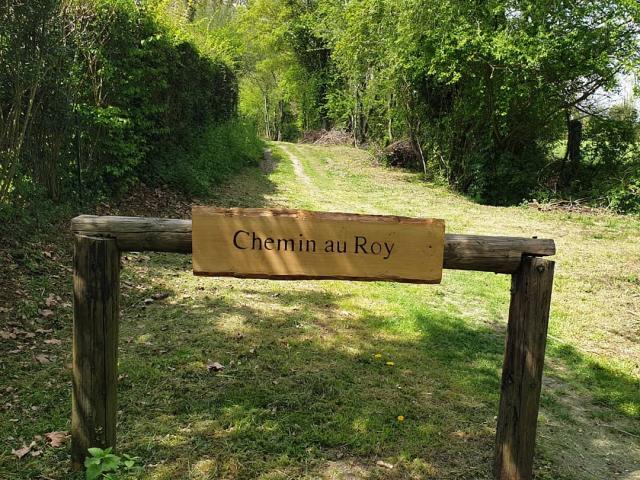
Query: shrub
611,165
108,90
209,157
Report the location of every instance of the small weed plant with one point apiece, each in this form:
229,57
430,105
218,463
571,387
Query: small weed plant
104,465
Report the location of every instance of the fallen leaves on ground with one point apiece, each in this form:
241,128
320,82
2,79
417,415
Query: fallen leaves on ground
53,439
382,464
4,335
56,439
42,358
214,367
21,452
52,300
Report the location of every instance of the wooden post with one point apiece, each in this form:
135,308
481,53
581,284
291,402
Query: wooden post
522,370
96,292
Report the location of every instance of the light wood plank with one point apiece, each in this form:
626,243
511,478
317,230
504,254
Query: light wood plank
462,252
297,244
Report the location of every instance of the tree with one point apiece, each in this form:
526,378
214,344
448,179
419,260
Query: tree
496,79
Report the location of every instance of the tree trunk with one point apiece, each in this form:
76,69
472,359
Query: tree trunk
574,145
267,130
573,154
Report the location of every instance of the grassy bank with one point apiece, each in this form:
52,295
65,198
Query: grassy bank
210,157
317,373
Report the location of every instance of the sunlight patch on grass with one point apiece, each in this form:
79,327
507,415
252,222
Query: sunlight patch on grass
145,338
172,440
204,469
307,391
232,324
360,425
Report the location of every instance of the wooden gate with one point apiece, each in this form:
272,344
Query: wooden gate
98,242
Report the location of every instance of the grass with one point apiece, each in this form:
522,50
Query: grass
307,391
211,156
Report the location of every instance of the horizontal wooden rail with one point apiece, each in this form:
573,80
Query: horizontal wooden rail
461,252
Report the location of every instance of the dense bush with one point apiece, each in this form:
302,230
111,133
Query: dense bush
610,170
93,92
209,157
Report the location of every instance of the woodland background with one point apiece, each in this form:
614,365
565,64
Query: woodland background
145,107
503,100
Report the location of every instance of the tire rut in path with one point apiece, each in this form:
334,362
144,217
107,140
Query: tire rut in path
297,166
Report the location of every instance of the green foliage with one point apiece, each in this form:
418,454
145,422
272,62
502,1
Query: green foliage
25,72
611,169
286,68
209,157
625,196
481,90
611,138
108,90
102,464
211,25
491,82
161,91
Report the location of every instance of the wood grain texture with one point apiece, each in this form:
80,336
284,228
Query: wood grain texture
96,292
461,252
522,370
138,234
297,244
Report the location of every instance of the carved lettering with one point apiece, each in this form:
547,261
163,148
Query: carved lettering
235,239
361,244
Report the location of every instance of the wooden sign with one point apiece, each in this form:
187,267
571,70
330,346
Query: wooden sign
297,244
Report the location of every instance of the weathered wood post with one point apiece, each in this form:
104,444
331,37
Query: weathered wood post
96,293
522,370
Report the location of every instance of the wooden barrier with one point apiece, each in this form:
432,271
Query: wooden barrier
461,252
99,241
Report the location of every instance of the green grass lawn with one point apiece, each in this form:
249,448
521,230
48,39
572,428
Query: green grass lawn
318,372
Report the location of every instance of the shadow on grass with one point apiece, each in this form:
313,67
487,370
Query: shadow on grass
307,383
295,390
609,388
254,183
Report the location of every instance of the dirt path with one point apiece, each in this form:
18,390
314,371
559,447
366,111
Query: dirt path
297,165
